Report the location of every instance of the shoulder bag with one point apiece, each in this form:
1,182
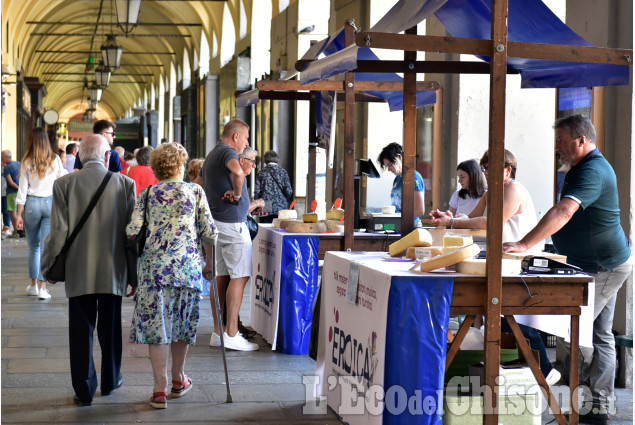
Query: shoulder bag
134,248
57,271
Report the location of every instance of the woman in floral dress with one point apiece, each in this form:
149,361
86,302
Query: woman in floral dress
171,269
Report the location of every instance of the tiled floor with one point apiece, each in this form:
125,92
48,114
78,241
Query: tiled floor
266,386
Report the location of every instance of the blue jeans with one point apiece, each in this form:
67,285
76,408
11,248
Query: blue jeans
37,223
535,342
6,216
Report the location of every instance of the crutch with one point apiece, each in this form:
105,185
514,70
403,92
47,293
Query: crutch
219,320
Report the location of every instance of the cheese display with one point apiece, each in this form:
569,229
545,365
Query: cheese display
334,214
299,227
334,226
478,266
390,209
421,252
286,214
418,237
457,240
310,218
450,258
282,223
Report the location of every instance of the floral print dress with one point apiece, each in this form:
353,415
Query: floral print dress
170,268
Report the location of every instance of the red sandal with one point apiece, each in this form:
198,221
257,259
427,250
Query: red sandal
159,400
185,386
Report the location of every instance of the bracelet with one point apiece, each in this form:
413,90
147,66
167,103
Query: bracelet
452,223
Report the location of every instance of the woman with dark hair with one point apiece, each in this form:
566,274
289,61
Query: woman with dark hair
391,158
273,185
142,173
473,186
39,168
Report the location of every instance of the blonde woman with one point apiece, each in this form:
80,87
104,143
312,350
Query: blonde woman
39,168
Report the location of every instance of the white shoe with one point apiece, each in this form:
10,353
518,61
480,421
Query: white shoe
553,377
238,343
214,340
32,290
44,294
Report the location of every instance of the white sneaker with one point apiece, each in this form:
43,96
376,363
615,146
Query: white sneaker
238,343
553,377
214,340
44,294
32,290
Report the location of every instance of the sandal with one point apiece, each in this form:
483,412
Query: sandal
159,400
185,386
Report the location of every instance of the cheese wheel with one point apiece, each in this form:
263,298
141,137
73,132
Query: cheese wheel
450,258
457,240
418,252
334,226
310,218
334,214
478,266
282,214
390,209
418,237
282,224
299,227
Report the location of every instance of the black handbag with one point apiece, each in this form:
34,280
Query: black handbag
252,226
57,271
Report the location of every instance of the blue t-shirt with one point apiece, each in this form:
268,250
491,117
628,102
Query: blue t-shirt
395,193
12,169
594,237
114,164
217,179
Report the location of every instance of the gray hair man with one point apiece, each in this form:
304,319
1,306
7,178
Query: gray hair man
97,279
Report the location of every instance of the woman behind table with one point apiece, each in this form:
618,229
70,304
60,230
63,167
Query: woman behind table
171,269
391,158
273,184
519,217
473,186
39,168
142,173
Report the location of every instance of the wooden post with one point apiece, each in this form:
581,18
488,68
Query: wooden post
311,177
498,79
437,152
409,160
349,144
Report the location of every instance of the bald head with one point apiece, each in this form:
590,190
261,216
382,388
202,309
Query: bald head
94,148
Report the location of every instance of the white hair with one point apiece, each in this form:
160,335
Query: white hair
93,147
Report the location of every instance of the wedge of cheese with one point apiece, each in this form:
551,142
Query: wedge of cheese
299,227
457,240
478,266
287,214
310,218
334,214
420,252
418,237
450,258
334,226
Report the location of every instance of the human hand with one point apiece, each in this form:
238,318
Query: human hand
229,197
133,291
514,247
19,222
208,271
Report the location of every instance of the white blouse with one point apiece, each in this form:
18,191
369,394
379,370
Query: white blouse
32,185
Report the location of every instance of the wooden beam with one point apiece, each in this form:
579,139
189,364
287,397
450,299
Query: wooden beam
439,67
476,46
437,151
282,85
498,83
311,178
349,146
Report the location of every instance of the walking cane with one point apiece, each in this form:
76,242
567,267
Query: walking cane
219,320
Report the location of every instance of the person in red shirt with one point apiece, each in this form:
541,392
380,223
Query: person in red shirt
142,173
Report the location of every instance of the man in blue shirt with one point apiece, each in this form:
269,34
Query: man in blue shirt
107,129
11,174
586,227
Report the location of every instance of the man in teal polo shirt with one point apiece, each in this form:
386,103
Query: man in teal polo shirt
586,227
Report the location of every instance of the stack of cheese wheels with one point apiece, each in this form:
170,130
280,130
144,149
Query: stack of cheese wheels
282,223
287,214
478,266
418,237
390,209
335,214
300,227
450,258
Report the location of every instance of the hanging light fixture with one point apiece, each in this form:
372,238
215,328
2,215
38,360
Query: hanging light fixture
111,52
127,14
95,92
102,76
92,104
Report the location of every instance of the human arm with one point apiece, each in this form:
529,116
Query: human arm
553,220
287,189
238,179
452,210
256,203
59,229
11,183
419,204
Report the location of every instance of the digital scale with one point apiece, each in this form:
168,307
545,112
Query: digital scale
381,223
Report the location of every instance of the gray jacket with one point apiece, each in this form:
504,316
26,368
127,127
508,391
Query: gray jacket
96,261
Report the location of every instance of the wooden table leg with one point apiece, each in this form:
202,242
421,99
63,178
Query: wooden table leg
458,339
535,368
574,378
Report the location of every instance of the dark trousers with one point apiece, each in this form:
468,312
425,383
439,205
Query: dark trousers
6,216
535,342
83,313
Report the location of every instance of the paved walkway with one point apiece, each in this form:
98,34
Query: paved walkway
266,386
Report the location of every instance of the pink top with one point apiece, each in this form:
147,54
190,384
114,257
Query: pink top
143,176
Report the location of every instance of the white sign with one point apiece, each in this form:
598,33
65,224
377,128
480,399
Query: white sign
265,284
352,338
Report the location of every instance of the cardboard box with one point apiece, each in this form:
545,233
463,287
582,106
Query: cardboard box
515,378
467,409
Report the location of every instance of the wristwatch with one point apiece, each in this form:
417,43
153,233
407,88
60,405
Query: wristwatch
236,196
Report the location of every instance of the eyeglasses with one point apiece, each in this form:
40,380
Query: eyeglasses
253,161
110,132
484,167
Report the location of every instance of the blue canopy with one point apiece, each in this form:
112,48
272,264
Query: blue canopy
529,21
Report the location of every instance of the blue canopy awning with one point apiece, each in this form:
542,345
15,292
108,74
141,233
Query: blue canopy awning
529,21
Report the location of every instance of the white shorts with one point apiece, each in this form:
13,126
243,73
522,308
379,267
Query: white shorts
233,250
